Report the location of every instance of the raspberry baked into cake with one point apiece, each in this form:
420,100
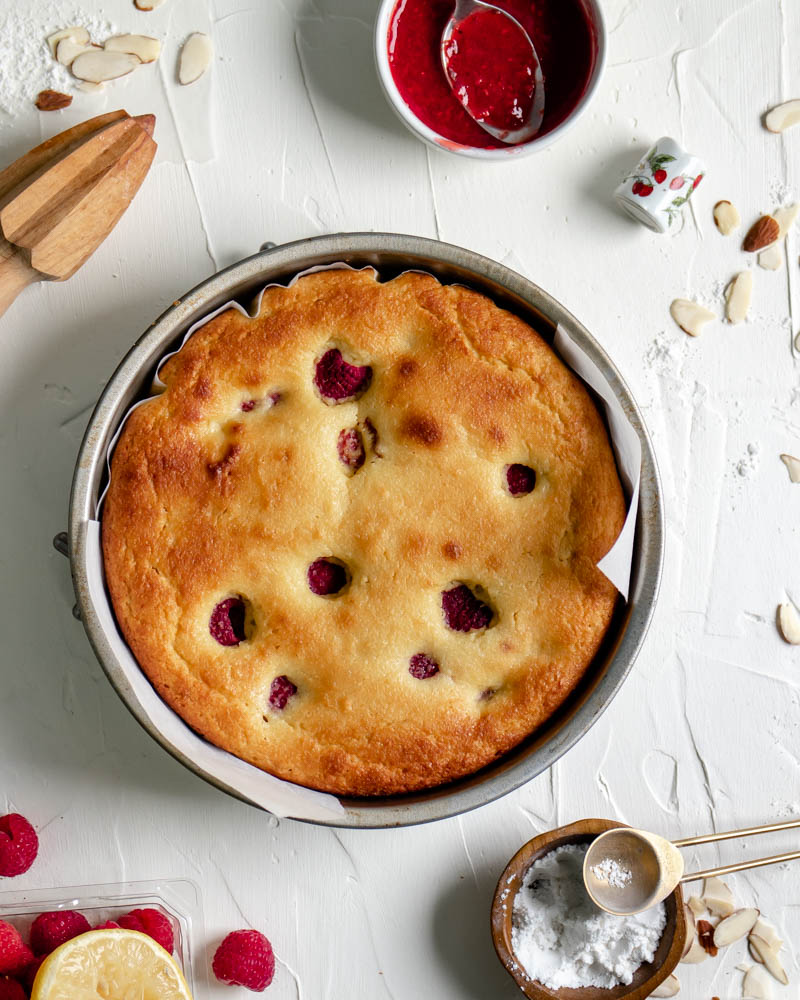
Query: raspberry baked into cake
355,540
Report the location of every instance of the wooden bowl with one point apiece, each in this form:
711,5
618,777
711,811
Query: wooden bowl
646,978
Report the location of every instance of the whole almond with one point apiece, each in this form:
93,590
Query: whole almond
761,234
52,100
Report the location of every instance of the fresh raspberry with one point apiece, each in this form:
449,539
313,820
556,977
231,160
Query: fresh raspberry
49,930
697,180
10,989
463,612
153,923
15,956
19,845
337,380
351,448
326,577
109,925
245,958
423,666
521,480
227,622
29,975
637,187
281,690
660,176
645,190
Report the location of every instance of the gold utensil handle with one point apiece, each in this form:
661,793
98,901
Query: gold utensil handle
742,866
753,831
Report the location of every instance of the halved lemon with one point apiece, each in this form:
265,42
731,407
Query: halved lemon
112,964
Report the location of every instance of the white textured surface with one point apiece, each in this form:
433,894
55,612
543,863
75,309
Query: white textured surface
705,732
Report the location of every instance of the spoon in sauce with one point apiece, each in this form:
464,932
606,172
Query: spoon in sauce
493,69
627,871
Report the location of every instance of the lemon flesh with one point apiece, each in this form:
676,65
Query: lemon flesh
110,964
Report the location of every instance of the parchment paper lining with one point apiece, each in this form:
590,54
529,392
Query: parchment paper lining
282,798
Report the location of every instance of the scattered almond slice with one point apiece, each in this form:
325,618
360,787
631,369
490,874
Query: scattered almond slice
68,50
691,930
785,217
783,116
690,316
735,926
100,65
696,905
793,465
146,48
789,623
718,897
669,988
761,234
195,58
797,343
755,985
743,967
695,954
767,933
89,88
771,259
738,297
726,217
148,4
77,34
768,957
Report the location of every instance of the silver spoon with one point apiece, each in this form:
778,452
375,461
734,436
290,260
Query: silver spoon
528,129
651,867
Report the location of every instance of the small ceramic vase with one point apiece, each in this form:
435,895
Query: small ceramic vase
657,190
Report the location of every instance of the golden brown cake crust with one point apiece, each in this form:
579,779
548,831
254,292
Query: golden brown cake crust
208,502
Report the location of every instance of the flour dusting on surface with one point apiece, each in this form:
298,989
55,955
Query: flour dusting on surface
563,940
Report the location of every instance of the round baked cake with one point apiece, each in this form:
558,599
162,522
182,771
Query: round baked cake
355,540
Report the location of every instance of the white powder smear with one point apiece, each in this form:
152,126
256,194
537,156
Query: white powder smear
562,939
26,63
612,873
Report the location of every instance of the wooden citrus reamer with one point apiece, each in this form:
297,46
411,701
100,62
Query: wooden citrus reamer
60,201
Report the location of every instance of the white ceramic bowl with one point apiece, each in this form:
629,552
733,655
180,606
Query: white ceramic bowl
422,131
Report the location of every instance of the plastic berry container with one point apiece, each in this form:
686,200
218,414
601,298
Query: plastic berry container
178,899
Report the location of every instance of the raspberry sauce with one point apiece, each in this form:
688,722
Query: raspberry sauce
562,33
491,67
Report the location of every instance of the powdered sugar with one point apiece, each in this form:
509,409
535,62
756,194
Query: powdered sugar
26,63
612,873
562,939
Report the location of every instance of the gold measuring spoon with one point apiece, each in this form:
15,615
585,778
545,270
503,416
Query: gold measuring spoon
627,871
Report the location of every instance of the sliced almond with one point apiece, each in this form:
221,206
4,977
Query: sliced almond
696,905
726,217
718,897
755,985
767,933
147,4
735,927
768,957
762,233
143,46
785,217
68,50
783,117
738,297
771,259
695,954
793,465
195,58
76,33
99,65
89,88
789,623
52,100
690,316
691,930
669,988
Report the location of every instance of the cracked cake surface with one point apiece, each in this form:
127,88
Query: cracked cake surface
354,541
